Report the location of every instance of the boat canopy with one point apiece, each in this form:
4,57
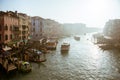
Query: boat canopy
24,63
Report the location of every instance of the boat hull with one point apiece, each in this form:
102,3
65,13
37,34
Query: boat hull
38,61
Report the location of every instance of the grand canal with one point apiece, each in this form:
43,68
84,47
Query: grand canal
84,61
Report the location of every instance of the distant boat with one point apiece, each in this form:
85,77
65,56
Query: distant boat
65,47
77,38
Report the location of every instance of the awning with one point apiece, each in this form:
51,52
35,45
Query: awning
7,48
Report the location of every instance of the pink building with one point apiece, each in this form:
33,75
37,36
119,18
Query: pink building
9,29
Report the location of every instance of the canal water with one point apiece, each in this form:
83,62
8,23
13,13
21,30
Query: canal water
84,61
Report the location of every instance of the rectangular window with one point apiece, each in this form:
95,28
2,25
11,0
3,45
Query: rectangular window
34,24
11,36
11,28
33,29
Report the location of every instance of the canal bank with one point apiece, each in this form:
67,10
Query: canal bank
84,61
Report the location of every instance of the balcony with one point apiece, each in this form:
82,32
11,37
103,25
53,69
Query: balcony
16,30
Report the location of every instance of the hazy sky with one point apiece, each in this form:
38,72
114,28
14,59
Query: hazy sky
94,13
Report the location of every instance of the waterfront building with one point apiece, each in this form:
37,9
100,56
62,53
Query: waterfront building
9,29
24,26
52,28
112,29
36,28
29,25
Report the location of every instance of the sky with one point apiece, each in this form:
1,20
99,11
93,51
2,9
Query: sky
93,13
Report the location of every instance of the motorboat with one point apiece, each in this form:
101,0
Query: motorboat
65,47
51,44
38,56
25,67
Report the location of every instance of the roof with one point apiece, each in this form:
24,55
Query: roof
51,40
9,13
65,43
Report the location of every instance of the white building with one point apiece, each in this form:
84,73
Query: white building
36,28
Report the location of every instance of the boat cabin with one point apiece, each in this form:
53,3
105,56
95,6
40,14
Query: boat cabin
51,44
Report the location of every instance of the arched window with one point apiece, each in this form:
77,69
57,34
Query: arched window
6,27
6,37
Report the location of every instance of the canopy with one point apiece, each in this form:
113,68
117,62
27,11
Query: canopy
25,63
7,48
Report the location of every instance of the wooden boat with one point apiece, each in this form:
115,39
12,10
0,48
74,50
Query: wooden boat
65,47
38,56
51,44
6,59
40,60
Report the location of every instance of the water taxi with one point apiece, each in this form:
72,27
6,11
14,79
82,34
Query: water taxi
51,44
65,47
